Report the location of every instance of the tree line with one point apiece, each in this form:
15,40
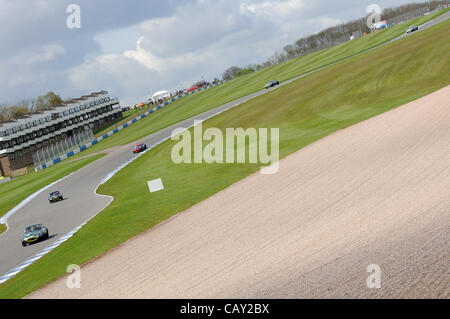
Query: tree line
330,37
28,106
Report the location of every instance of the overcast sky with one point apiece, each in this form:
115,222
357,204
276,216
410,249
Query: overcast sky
132,48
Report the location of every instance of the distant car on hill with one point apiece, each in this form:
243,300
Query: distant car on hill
272,84
195,87
55,196
34,233
411,29
139,147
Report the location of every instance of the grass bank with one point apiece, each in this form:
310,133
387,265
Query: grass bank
192,105
2,228
126,116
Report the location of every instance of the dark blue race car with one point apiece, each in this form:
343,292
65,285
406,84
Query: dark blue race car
55,196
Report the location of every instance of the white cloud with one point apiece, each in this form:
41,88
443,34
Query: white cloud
163,65
134,74
43,54
19,71
38,50
19,80
145,57
196,41
131,49
192,28
274,10
326,22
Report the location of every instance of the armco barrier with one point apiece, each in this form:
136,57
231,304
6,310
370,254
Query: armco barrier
114,131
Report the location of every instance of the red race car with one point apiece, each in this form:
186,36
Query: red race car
139,147
193,88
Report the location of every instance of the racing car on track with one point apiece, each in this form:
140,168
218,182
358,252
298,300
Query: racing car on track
139,147
271,84
411,29
55,196
34,233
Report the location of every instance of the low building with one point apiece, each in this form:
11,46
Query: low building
20,138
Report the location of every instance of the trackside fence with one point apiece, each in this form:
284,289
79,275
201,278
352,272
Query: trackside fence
61,147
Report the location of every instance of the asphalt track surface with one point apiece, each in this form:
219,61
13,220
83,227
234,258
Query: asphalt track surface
82,203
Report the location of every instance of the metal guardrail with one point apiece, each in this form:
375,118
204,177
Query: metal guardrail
61,147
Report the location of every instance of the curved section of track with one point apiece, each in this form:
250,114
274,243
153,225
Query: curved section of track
82,203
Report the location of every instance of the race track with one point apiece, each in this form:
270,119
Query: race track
82,203
375,193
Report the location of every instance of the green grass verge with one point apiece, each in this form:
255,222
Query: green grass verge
126,116
206,100
2,228
19,188
304,110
